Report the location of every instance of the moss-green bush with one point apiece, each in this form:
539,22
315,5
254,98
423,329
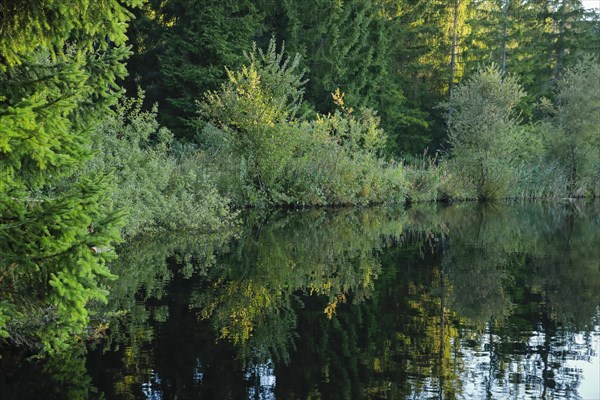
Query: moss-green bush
266,155
482,123
162,186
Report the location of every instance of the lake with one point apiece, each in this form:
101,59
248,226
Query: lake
466,301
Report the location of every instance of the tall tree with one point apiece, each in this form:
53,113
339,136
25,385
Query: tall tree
426,54
567,32
501,33
58,69
534,39
343,45
351,46
407,87
454,49
188,44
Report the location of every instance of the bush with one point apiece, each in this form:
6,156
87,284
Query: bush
572,127
437,179
482,128
268,156
162,186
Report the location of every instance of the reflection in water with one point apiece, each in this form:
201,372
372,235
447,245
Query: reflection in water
468,301
264,379
151,389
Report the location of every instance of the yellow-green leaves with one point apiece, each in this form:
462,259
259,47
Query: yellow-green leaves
279,158
30,25
59,66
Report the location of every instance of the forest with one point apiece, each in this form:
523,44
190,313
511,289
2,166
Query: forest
125,118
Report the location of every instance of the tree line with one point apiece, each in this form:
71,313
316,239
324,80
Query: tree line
398,57
263,104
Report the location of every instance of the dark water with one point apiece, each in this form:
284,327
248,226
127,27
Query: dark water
465,302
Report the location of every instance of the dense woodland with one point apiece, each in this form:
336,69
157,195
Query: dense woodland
121,118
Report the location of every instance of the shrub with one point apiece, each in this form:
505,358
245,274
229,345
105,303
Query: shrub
162,186
481,126
573,127
268,156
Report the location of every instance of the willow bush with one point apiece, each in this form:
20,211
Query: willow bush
161,185
573,127
267,155
482,123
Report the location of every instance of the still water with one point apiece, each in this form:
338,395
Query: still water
459,302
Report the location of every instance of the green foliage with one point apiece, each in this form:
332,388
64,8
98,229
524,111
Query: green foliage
256,99
54,23
573,127
253,110
53,90
352,55
540,179
436,179
421,36
162,186
50,272
337,162
325,174
358,56
481,125
181,49
401,58
535,40
276,158
509,34
264,143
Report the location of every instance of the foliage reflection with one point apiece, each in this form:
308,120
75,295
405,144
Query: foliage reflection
466,301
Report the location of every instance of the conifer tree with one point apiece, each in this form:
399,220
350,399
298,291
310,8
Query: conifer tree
188,43
343,47
508,34
59,65
352,45
423,38
499,30
534,40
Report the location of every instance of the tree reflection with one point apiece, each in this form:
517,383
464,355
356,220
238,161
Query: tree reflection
532,274
331,255
467,301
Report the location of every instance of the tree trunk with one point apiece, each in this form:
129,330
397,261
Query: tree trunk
504,35
572,173
454,47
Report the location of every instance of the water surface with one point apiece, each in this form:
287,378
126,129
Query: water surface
466,302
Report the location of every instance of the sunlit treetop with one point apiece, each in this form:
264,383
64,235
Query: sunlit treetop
26,25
